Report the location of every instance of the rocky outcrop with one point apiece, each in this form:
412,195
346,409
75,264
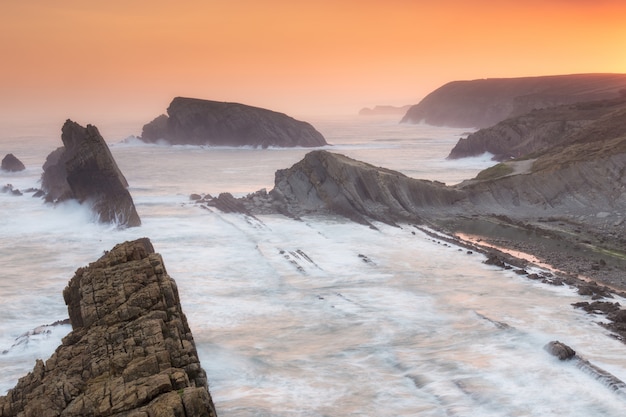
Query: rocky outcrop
193,121
11,163
536,131
383,110
130,353
84,169
485,102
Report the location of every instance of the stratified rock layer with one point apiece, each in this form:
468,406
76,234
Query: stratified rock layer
11,163
485,102
193,121
84,169
130,353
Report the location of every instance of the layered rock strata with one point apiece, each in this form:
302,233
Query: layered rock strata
485,102
11,163
84,169
542,129
130,353
193,121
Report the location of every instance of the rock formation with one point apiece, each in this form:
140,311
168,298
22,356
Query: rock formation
537,130
11,163
84,169
383,110
203,122
485,102
130,353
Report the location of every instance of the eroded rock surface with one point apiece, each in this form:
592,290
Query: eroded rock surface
130,353
191,121
84,169
485,102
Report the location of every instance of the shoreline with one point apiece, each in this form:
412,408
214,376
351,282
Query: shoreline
558,260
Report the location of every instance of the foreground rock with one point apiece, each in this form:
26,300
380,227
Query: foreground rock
130,353
542,129
84,169
192,121
485,102
11,163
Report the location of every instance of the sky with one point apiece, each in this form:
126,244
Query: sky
126,60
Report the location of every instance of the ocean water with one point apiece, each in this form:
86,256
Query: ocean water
320,317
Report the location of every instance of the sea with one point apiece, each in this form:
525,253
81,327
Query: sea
311,317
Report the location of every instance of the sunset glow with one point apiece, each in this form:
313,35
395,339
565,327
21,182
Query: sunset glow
128,59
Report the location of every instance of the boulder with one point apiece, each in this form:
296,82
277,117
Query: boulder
11,163
130,352
485,102
191,121
84,169
560,350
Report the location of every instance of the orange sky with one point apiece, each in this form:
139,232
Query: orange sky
102,60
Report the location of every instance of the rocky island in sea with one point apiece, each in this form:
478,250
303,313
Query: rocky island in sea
84,169
11,163
192,121
485,102
130,353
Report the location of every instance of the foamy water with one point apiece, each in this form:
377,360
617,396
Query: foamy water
320,317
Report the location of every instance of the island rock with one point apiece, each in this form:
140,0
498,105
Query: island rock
11,163
485,102
84,169
193,121
130,352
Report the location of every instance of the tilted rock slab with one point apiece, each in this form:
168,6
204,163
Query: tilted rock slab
130,353
84,169
192,121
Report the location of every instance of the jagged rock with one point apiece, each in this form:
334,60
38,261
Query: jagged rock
84,169
205,122
538,130
11,163
485,102
130,353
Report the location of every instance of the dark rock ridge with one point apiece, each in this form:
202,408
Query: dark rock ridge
11,163
130,353
84,169
383,110
193,121
485,102
541,129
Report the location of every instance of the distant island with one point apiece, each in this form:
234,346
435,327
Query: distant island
192,121
383,110
485,102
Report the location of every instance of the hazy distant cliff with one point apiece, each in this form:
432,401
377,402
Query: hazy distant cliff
205,122
485,102
538,130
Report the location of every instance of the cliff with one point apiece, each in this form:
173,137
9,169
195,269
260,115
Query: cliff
204,122
537,130
130,352
485,102
84,169
383,110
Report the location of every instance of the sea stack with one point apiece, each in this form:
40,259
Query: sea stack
84,169
12,164
130,352
191,121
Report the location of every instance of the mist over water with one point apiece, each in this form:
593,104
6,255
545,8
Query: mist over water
320,317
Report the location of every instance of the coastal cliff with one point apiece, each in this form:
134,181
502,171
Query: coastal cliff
485,102
193,121
130,352
84,169
541,129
